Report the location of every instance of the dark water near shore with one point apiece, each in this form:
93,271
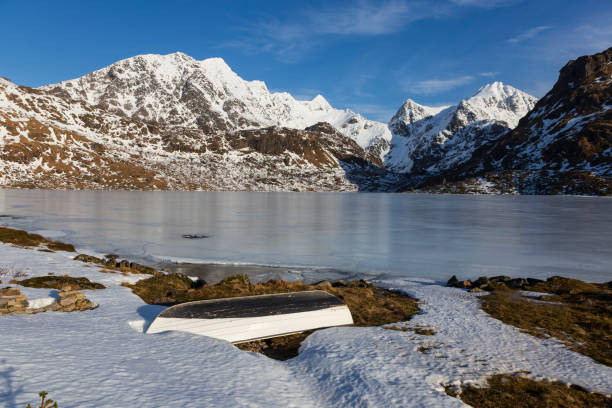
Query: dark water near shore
427,236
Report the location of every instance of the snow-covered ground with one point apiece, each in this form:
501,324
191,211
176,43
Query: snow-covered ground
102,358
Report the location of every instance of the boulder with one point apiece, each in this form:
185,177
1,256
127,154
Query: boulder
358,284
338,283
481,282
499,278
10,291
516,283
452,282
88,259
533,281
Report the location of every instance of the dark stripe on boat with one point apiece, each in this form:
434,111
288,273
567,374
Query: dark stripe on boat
254,306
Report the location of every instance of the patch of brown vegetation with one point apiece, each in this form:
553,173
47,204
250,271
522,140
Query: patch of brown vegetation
112,264
61,282
25,239
279,348
512,391
575,312
369,305
423,331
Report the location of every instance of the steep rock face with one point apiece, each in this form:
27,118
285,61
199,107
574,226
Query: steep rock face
178,90
428,141
50,140
570,128
562,146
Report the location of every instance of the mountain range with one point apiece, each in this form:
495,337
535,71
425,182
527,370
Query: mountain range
173,122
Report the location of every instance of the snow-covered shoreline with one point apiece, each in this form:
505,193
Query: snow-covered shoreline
102,358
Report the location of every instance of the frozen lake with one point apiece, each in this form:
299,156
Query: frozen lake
428,236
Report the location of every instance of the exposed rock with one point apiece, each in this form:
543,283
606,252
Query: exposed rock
453,282
476,290
12,301
517,283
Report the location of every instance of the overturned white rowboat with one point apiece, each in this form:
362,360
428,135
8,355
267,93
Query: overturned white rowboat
249,318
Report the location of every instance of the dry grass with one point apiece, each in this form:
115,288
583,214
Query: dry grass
61,283
25,239
575,312
508,391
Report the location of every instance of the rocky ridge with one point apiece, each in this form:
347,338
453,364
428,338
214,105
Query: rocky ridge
50,140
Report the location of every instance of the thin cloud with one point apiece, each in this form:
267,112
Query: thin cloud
485,3
289,39
437,86
489,74
532,32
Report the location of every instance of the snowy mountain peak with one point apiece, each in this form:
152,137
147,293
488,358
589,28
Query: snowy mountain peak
411,112
429,140
497,90
320,103
178,90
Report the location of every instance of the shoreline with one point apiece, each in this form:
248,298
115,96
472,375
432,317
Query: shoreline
408,363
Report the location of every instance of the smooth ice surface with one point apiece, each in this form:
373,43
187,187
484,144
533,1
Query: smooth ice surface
102,357
399,235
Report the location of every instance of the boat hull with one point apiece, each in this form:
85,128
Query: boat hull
254,317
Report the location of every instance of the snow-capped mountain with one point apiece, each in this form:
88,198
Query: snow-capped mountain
49,140
430,140
570,128
563,145
178,90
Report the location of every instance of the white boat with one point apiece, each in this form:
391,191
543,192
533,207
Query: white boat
242,319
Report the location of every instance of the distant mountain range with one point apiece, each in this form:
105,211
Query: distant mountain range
172,122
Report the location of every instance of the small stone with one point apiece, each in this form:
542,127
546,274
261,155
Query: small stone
466,284
323,284
476,290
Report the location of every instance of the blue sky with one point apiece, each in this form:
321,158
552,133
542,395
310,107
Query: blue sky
366,55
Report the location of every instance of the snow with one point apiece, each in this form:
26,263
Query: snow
102,357
455,131
164,79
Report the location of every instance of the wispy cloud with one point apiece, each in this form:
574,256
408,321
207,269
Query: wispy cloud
289,39
492,74
437,86
486,3
532,32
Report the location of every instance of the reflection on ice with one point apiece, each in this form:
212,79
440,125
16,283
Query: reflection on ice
427,236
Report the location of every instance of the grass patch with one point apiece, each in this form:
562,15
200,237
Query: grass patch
575,312
511,391
60,283
25,239
369,305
